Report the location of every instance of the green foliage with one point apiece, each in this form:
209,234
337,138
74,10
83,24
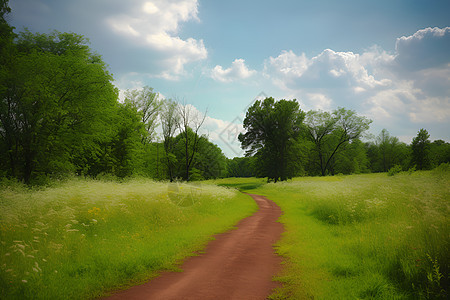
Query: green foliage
242,184
443,168
241,167
273,128
364,236
351,160
56,103
330,133
147,104
209,160
421,150
84,238
169,122
387,152
394,170
439,152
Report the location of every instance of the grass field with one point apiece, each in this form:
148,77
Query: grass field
347,237
82,238
363,236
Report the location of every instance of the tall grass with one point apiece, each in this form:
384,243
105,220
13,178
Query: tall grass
84,238
365,236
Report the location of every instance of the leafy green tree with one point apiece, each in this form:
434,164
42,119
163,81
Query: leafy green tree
210,160
421,150
439,152
148,105
6,31
56,103
126,143
169,122
353,160
7,52
273,128
241,167
189,120
386,152
386,144
332,132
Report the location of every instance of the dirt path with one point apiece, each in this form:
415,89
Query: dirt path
238,264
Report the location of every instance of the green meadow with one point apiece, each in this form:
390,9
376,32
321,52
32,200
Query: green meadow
82,238
364,236
370,236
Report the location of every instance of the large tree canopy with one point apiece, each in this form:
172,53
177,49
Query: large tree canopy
272,131
56,102
331,132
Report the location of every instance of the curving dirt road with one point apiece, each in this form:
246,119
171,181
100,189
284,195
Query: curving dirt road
238,264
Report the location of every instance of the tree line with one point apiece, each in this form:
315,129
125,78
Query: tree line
282,141
60,114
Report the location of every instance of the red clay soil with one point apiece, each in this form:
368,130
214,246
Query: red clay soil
238,264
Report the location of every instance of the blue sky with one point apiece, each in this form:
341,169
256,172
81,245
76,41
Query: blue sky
388,60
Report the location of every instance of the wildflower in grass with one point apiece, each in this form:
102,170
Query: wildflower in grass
94,211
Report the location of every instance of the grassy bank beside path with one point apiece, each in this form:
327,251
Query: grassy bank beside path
363,236
82,238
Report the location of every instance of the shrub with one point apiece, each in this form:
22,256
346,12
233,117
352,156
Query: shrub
394,170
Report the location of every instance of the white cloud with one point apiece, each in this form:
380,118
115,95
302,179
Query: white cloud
225,135
427,48
285,68
238,70
408,88
319,101
150,8
329,69
153,26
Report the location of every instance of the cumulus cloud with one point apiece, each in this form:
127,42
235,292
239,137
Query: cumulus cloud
134,36
329,69
237,70
153,25
410,87
427,48
319,101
